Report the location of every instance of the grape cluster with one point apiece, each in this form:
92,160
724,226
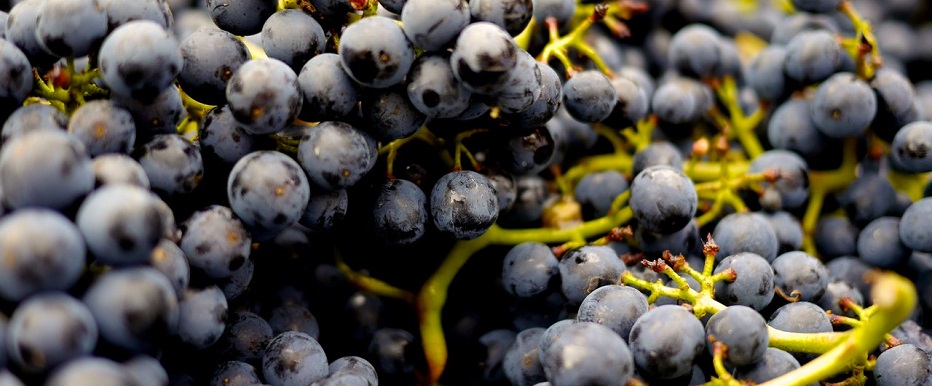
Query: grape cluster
462,192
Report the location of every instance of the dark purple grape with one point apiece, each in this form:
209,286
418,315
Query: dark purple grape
666,342
512,15
399,215
463,204
663,199
243,17
754,281
528,269
264,96
742,330
103,128
375,52
139,60
211,56
335,155
67,28
329,92
45,168
292,36
268,192
42,250
433,24
50,329
483,58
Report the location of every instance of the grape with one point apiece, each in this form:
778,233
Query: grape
843,106
903,365
850,270
393,6
103,128
613,306
596,191
584,269
677,102
336,155
202,316
913,233
912,147
293,358
293,37
399,214
793,181
657,153
587,353
483,58
244,17
496,343
589,96
325,210
168,258
139,60
355,365
746,232
14,76
546,104
224,140
867,198
121,224
812,56
754,281
433,89
524,88
791,127
33,117
146,371
211,56
264,96
463,204
67,28
528,269
666,342
42,251
118,169
765,73
389,114
527,151
245,336
743,331
879,243
432,24
215,242
160,116
290,317
375,52
773,364
390,350
172,163
788,229
802,317
122,12
897,103
631,103
561,10
88,371
798,271
512,15
695,50
816,6
135,308
268,192
235,373
21,31
663,199
522,362
837,290
329,92
684,241
50,329
46,169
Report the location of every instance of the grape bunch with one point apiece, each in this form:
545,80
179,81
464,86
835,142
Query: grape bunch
465,192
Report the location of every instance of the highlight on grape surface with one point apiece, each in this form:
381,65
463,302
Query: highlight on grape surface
465,192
